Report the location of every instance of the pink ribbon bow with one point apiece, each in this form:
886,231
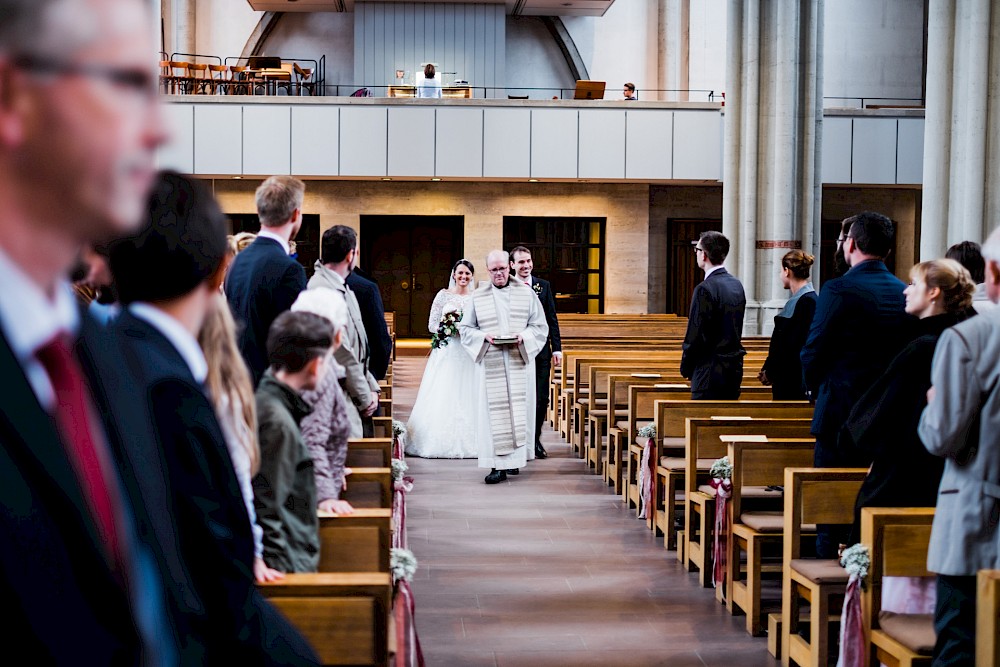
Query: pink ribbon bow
646,471
408,652
723,491
400,488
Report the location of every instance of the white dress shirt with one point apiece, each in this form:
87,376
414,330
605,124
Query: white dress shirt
274,237
30,319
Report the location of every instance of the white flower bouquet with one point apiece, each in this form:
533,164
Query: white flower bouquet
399,469
398,428
856,560
648,431
402,564
721,469
446,329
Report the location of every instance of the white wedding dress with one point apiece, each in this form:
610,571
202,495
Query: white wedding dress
441,422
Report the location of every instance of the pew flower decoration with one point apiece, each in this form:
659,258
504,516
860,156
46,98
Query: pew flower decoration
402,564
399,469
721,469
446,329
648,431
856,560
646,468
398,428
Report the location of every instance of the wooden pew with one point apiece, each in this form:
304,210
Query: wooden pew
383,427
370,452
369,488
757,466
988,618
669,419
702,446
343,615
813,495
898,539
357,542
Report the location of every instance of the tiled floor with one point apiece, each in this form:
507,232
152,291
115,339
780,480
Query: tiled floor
549,568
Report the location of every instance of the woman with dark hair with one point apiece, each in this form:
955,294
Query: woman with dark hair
429,85
783,370
441,423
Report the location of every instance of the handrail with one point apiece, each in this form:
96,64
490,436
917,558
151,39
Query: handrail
173,56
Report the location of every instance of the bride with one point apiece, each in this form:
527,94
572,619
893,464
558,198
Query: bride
441,423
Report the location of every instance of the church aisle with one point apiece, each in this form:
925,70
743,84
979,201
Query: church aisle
549,568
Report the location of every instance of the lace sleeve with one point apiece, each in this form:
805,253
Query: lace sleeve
437,309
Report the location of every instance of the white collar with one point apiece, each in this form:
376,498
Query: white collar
28,317
713,270
182,340
274,237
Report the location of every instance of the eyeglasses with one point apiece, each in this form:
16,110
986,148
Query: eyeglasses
498,270
697,250
841,239
132,79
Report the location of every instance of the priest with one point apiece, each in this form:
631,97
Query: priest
503,328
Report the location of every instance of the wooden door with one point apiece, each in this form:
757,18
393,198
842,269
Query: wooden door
683,273
410,257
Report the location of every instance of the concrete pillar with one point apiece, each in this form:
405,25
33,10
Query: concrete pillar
673,48
773,116
962,128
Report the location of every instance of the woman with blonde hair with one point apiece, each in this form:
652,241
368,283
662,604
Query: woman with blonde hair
229,387
782,369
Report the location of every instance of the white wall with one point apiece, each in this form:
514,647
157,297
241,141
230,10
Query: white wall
534,60
330,34
222,28
619,46
707,50
872,48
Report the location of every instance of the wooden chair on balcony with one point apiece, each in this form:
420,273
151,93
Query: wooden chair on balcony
303,80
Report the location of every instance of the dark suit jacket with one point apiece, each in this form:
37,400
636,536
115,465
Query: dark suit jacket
713,350
859,327
262,283
373,317
212,523
882,428
548,299
61,597
783,365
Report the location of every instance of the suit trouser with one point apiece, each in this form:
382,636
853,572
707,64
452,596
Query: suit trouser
829,537
542,368
955,621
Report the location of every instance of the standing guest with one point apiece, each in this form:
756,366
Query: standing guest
168,276
882,425
629,92
712,352
551,354
327,428
339,248
782,369
859,327
429,85
263,281
89,565
228,383
503,330
969,255
373,317
298,348
961,424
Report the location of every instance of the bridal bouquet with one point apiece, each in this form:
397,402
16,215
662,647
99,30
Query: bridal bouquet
446,329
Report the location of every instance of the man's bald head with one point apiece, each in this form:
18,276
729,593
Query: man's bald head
54,27
498,264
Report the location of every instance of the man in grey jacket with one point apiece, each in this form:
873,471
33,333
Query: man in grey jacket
339,249
962,424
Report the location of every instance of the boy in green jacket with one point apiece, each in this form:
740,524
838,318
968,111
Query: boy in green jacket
298,349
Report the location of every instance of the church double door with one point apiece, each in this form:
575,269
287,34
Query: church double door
410,257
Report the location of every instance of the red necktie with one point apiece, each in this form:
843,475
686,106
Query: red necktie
87,451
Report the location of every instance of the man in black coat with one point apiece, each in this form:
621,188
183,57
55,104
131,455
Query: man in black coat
78,568
373,318
551,353
860,325
712,356
264,280
168,276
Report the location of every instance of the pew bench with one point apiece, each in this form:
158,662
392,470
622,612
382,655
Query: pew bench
357,542
988,618
369,488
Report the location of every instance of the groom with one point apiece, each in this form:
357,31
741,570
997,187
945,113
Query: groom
503,329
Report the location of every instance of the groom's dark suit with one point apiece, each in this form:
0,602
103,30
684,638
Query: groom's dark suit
215,536
543,361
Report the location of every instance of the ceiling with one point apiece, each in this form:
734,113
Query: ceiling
514,7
